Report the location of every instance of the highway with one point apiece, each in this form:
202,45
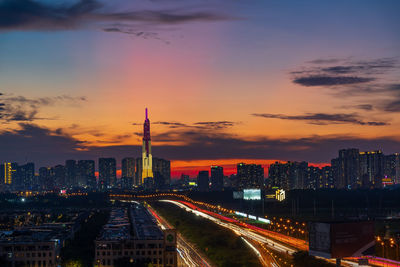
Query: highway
254,236
188,255
262,241
253,239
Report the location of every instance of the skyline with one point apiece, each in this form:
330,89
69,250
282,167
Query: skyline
223,80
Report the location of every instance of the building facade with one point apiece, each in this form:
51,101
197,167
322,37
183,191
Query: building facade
217,178
107,173
134,237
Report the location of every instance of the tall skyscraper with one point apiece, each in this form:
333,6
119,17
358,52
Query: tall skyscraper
348,169
8,173
27,174
278,175
70,168
107,173
46,178
128,167
59,176
147,160
327,177
217,178
161,172
250,175
314,178
128,173
138,172
371,168
203,181
85,173
392,167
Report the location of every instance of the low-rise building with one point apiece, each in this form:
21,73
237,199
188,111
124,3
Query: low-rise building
29,248
132,235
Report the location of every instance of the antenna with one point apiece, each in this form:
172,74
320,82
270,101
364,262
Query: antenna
146,113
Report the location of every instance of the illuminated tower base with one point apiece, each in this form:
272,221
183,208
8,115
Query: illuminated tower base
147,164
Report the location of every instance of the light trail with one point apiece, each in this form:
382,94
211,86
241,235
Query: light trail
260,257
245,233
190,256
238,229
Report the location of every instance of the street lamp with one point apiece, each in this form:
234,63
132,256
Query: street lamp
396,247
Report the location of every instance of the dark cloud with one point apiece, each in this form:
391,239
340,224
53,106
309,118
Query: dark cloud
366,107
215,124
377,66
136,33
20,108
324,80
392,106
325,61
370,79
201,125
34,15
386,97
348,72
323,118
37,144
171,124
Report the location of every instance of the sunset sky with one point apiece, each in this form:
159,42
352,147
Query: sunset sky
225,81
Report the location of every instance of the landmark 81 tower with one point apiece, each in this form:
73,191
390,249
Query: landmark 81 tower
147,168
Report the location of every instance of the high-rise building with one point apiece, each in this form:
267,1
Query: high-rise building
9,173
27,173
46,178
127,173
85,174
392,167
315,178
278,175
107,173
147,169
250,175
348,169
60,176
371,168
138,172
70,168
203,181
217,178
161,172
335,171
128,167
327,177
298,175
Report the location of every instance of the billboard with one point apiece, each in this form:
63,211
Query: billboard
320,239
280,195
339,240
252,194
351,239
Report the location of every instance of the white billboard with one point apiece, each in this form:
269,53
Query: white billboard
252,194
